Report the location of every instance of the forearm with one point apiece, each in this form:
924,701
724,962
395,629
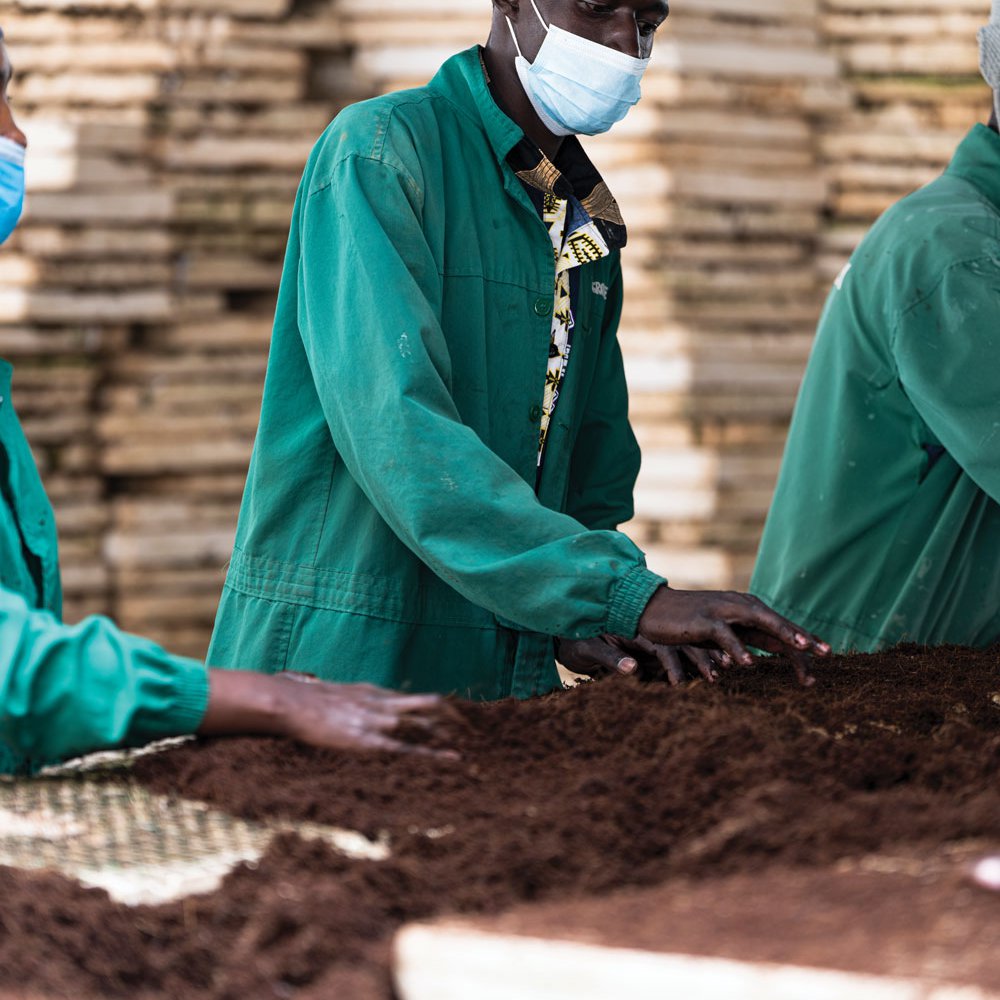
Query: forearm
244,703
490,538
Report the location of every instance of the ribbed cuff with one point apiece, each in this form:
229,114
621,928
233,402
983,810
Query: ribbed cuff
629,600
191,698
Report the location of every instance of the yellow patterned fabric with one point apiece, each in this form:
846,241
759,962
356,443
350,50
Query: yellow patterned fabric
584,223
576,240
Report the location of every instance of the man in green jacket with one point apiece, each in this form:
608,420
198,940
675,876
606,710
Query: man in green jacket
885,526
444,453
69,690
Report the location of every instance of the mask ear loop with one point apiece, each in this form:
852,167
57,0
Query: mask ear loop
540,21
514,36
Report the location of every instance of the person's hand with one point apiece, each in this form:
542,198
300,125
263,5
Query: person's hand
333,716
594,657
675,663
613,654
729,622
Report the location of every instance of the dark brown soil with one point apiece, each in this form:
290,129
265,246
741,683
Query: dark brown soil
608,786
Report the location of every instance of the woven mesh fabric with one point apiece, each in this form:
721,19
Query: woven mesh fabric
989,54
88,821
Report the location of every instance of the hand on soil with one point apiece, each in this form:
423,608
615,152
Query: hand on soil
612,654
334,716
594,657
361,717
729,622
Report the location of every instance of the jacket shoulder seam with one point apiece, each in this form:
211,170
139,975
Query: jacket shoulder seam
354,154
932,291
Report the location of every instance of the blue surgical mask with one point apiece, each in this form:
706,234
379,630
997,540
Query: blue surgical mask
11,185
554,82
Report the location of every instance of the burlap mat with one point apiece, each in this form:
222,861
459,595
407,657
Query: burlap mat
86,820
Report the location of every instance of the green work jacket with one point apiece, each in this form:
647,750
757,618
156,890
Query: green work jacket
390,530
885,525
66,690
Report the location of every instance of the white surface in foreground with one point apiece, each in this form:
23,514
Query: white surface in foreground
987,873
151,885
456,963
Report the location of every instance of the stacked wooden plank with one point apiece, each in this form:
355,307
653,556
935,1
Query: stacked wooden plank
167,141
912,69
717,174
233,127
91,258
808,120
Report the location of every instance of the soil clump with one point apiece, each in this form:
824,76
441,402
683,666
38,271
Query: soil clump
610,785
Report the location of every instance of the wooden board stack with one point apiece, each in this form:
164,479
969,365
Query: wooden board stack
167,141
232,129
90,259
912,69
717,174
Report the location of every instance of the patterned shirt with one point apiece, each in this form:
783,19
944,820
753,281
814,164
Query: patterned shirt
584,224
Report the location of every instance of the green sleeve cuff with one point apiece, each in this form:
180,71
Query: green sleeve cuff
629,600
189,701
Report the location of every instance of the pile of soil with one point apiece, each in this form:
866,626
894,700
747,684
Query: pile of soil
610,785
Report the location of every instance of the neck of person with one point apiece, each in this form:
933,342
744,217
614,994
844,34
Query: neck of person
505,86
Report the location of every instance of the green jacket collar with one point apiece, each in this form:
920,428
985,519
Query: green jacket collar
977,160
462,81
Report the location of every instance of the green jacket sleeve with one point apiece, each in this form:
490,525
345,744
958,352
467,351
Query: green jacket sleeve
945,348
67,690
381,364
606,457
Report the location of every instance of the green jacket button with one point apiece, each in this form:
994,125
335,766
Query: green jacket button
543,307
534,413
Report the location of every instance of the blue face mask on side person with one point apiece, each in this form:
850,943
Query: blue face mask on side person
11,185
554,81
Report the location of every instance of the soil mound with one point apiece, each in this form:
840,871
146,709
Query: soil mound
885,748
613,784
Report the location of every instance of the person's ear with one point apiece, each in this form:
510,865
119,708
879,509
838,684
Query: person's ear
507,8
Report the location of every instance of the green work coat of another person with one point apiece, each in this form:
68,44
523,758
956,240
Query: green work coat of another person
885,526
391,530
66,690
